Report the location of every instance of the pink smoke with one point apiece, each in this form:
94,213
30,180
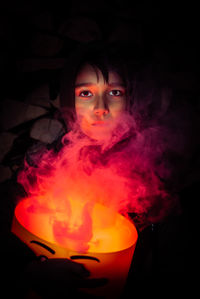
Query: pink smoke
130,173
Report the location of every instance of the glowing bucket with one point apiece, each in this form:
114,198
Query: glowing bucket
109,255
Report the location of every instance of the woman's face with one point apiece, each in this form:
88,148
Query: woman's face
98,104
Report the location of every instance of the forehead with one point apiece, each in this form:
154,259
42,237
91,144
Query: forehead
90,74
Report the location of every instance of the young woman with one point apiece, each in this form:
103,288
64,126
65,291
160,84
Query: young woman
104,101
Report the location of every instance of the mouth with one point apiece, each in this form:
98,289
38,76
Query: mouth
99,123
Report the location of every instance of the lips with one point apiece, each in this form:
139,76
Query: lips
99,123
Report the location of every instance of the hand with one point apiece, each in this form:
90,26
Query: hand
53,278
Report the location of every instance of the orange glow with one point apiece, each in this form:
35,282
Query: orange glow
90,228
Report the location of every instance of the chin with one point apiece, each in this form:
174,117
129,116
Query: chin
99,135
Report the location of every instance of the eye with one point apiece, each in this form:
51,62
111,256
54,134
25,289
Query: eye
85,94
116,93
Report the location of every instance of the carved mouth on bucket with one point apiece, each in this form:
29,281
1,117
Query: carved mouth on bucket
84,257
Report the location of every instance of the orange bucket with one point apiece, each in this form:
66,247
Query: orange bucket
109,255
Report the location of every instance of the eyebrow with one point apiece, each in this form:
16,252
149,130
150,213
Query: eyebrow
84,84
91,84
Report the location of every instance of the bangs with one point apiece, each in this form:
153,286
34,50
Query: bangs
105,59
96,67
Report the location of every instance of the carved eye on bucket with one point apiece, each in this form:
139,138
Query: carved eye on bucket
44,246
84,257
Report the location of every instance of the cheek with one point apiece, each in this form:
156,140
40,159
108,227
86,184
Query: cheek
82,110
82,114
117,108
78,111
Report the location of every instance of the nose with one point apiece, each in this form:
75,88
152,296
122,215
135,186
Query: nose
101,109
101,112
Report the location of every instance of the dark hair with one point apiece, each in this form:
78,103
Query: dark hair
100,55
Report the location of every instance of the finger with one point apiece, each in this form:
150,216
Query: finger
79,269
63,267
92,283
